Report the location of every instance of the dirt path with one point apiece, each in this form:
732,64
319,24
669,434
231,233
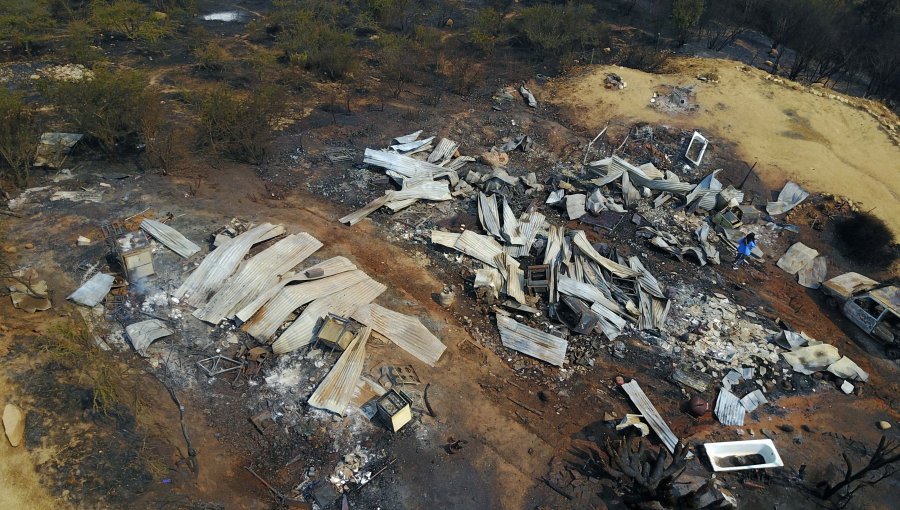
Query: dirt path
825,144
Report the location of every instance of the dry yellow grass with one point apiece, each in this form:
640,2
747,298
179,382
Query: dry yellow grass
827,144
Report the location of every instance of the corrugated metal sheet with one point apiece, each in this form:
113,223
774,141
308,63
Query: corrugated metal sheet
324,269
358,215
220,263
489,215
396,200
532,342
530,226
588,292
94,290
144,333
170,237
412,146
645,407
753,400
630,194
645,279
447,239
408,138
336,390
407,332
458,163
554,247
341,303
483,248
580,240
404,166
269,317
443,151
510,227
259,273
512,277
813,274
729,409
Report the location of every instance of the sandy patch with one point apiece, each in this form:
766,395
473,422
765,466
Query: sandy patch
835,144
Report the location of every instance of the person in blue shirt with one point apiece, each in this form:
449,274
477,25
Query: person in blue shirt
745,248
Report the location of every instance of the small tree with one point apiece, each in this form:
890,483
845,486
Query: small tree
24,22
18,136
239,126
556,29
686,14
486,30
109,108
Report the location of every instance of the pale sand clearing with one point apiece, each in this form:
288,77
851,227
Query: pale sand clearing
820,142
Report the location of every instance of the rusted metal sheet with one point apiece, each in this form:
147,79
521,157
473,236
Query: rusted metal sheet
336,390
341,303
646,408
533,342
324,269
407,332
221,263
258,274
265,322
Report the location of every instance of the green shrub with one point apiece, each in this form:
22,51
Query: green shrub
555,29
110,108
23,23
239,126
18,136
317,46
486,30
123,17
78,46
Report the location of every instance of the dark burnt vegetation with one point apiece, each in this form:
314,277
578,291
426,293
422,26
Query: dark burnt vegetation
373,51
865,239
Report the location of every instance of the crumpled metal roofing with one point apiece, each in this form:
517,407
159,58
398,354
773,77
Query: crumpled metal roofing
341,303
220,263
259,273
324,269
142,334
336,389
170,237
533,342
265,322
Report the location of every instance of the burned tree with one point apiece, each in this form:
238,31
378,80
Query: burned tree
879,467
650,475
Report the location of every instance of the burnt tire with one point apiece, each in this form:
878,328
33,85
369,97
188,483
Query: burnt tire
892,352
